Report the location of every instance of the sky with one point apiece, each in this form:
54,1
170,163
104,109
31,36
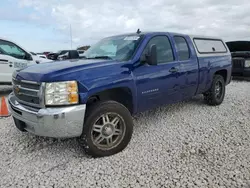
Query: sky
44,25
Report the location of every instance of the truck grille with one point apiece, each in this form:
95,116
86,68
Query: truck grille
238,62
27,92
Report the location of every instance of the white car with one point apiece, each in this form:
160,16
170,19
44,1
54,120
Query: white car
41,55
81,53
14,57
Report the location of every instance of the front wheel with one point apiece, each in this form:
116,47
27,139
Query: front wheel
215,95
107,130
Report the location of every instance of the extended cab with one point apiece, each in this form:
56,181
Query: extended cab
14,57
94,98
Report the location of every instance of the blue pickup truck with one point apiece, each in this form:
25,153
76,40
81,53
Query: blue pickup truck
94,98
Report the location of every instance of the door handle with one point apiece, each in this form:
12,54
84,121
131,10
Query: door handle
173,69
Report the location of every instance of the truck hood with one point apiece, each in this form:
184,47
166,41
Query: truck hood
59,70
238,46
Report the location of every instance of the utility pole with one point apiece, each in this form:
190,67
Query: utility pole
71,36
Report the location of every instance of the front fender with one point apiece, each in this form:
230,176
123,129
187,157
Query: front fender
116,78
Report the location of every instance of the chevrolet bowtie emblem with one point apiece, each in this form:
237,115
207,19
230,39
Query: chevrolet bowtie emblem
17,89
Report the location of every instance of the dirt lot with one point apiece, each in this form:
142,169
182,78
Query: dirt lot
188,144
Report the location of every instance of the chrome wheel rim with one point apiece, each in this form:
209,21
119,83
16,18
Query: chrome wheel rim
218,89
108,131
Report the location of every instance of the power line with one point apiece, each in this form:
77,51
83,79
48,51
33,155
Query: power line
71,36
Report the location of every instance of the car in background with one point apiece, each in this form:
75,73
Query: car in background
64,54
70,54
81,53
14,57
41,55
46,53
240,51
52,56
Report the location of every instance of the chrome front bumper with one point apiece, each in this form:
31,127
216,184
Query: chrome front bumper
62,122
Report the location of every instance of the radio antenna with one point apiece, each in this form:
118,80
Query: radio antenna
138,31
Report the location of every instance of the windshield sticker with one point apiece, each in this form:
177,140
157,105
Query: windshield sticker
131,38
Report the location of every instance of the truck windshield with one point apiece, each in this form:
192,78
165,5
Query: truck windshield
119,48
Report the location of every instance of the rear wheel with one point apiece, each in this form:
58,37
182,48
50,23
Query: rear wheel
107,130
215,95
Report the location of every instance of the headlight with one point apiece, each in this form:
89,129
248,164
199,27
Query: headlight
247,63
61,93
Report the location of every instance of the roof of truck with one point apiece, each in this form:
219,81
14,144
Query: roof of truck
173,33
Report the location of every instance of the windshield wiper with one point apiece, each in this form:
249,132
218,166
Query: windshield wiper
100,57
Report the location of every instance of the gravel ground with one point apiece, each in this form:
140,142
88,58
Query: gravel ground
188,144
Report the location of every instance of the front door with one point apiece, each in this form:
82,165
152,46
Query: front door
12,57
158,84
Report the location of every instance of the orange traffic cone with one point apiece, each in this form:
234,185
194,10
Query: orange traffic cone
4,112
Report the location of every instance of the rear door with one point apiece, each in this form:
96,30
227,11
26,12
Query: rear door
189,67
158,84
12,57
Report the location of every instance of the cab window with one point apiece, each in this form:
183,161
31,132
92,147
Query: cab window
163,47
182,48
11,49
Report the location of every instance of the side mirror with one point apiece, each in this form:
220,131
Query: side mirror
151,58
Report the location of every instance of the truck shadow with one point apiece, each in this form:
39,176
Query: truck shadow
240,79
176,107
145,121
32,144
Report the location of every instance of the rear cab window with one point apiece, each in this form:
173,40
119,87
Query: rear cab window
205,46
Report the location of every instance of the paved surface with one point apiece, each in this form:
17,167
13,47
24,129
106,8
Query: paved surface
188,144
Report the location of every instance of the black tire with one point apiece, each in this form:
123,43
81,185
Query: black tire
211,97
94,113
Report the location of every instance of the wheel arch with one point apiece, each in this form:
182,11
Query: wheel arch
223,73
122,94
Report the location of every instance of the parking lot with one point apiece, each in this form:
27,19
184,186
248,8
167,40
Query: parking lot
188,144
